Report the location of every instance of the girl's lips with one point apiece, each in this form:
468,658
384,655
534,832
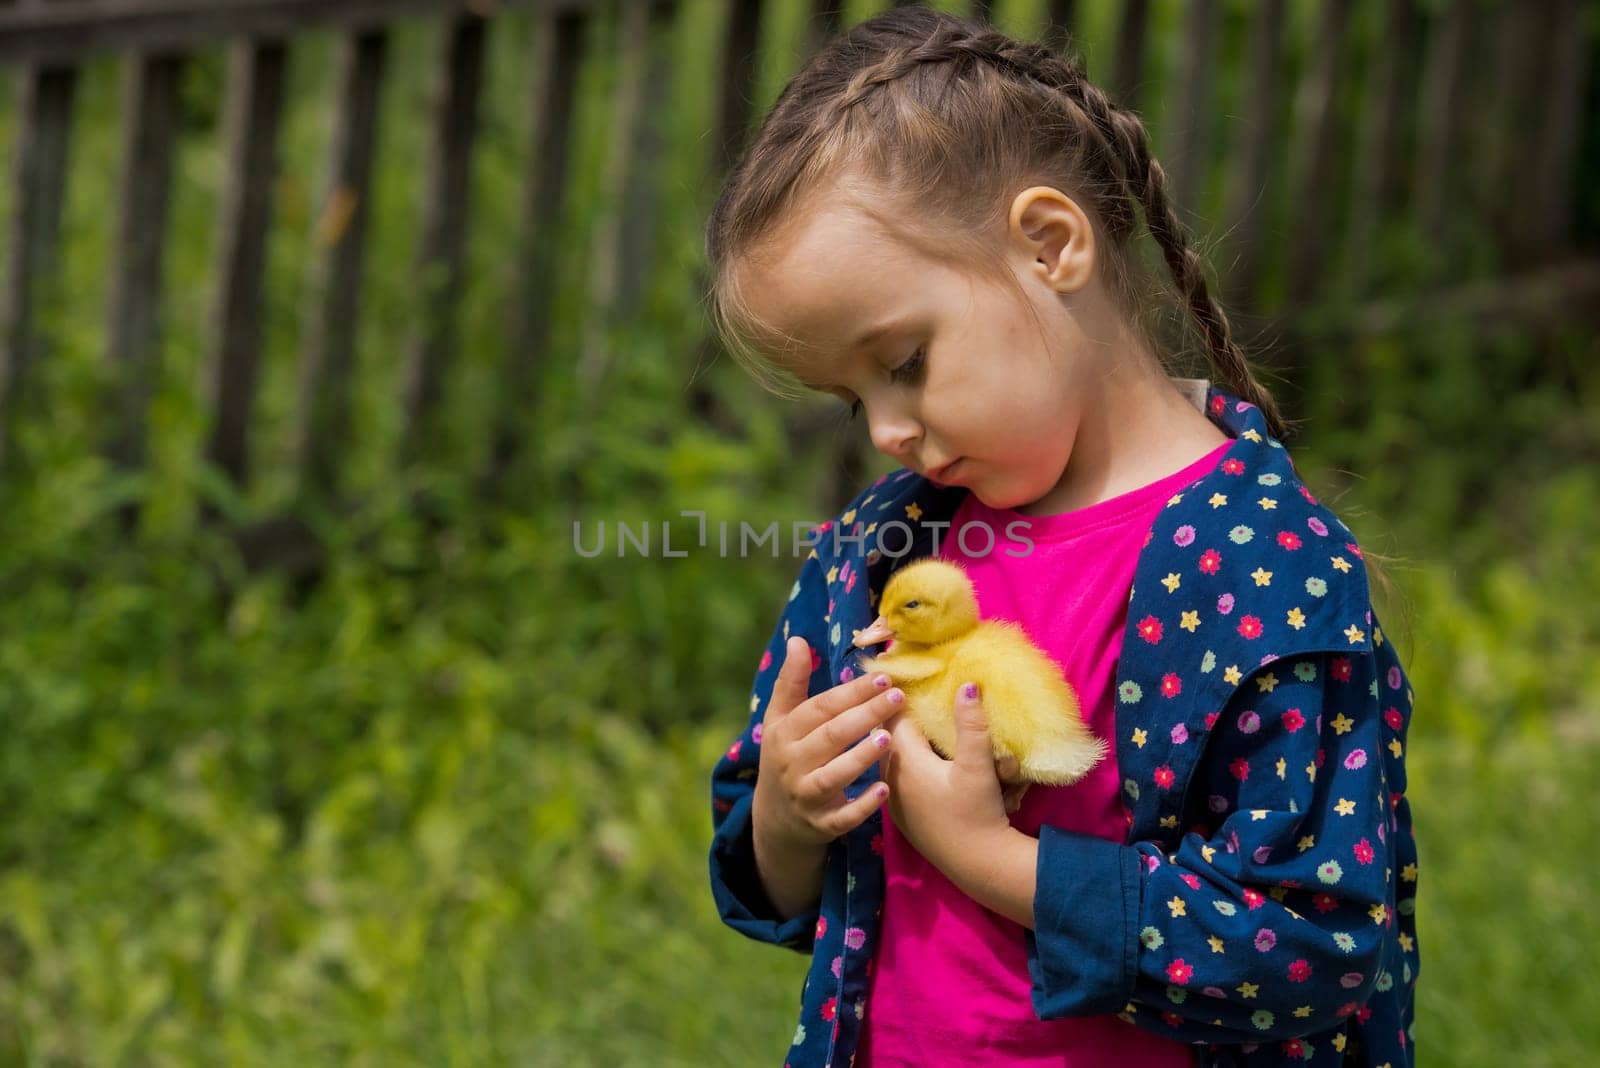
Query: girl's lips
942,474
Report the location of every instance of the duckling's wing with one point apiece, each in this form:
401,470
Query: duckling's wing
905,667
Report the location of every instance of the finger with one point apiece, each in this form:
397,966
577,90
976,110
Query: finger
908,734
1007,769
850,815
832,736
910,744
829,781
837,700
791,686
972,732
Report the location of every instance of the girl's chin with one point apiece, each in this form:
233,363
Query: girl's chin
1003,498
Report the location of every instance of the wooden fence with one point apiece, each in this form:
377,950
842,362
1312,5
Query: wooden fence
1357,112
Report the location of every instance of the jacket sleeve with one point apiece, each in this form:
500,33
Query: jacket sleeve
1268,924
735,884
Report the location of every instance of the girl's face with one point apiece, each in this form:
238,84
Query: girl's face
951,371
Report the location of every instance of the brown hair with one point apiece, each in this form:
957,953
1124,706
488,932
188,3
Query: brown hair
957,117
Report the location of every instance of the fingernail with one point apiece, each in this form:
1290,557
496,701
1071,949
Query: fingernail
882,789
880,681
881,739
896,696
970,691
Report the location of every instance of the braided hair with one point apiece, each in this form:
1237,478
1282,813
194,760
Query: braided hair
958,116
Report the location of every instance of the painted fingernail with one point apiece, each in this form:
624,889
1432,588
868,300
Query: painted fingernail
882,789
881,739
880,681
970,691
896,696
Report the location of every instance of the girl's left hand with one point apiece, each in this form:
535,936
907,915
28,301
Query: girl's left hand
947,809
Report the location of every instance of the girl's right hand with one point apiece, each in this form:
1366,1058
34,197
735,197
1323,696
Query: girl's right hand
805,763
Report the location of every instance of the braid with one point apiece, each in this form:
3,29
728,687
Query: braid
1124,154
1129,139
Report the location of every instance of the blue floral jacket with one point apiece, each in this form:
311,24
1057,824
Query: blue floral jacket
1262,904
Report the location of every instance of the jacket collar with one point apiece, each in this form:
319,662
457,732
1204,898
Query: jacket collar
897,518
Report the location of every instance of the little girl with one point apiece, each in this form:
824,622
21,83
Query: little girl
935,224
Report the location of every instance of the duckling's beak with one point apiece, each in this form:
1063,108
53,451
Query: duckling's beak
877,631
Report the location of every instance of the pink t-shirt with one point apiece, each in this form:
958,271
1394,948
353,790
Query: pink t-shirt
949,984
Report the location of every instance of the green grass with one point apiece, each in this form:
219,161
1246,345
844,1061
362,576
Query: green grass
410,822
1507,934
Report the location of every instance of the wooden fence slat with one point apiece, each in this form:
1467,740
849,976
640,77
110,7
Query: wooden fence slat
1386,111
1189,113
1512,133
255,107
639,217
1128,66
1538,105
827,19
605,269
740,38
558,47
1549,218
68,31
1061,23
1318,126
445,219
1440,113
1248,212
39,181
150,128
340,262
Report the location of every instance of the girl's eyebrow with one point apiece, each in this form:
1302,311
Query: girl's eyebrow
817,387
862,340
872,334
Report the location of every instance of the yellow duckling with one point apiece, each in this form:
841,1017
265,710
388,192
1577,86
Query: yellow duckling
1035,724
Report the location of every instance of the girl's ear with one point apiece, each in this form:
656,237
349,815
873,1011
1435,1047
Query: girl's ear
1055,235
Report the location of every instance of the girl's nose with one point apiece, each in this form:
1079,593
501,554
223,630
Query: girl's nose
894,432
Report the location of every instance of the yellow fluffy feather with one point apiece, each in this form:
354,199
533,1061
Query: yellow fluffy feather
930,610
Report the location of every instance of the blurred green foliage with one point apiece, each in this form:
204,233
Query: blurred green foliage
451,805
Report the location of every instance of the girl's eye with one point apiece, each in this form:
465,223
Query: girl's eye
906,372
909,370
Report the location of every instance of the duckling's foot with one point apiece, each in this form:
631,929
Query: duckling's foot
1007,769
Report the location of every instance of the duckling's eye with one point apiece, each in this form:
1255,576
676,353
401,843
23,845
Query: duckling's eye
912,604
